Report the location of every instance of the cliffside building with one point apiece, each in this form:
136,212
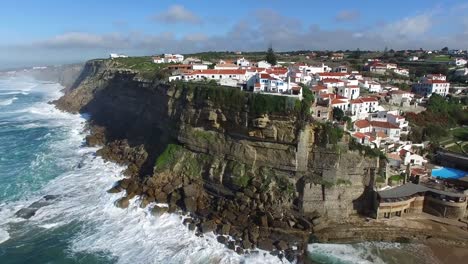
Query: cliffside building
415,198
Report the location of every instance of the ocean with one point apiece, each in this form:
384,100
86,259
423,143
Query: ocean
42,152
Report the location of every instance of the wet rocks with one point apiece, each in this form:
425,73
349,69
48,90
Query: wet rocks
31,210
123,202
159,210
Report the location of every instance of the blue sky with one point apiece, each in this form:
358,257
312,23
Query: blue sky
53,31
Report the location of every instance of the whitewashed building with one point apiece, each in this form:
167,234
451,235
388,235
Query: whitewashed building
432,83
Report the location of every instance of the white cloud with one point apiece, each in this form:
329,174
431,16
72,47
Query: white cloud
84,40
409,26
177,14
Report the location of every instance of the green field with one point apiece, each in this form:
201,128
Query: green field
441,58
458,137
144,65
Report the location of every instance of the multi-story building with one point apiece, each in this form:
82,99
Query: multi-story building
432,83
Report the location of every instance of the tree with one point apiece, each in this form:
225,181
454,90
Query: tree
271,56
338,114
444,49
356,54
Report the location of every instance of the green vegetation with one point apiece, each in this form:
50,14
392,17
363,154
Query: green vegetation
366,150
325,183
396,178
168,156
271,56
441,58
144,65
440,115
460,133
328,133
338,114
202,134
240,175
343,182
233,99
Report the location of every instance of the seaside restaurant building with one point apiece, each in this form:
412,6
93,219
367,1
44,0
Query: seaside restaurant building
413,198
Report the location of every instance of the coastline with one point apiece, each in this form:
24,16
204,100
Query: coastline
447,241
204,203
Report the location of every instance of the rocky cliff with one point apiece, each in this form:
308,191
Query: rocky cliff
243,165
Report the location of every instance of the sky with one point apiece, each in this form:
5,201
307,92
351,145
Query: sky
42,32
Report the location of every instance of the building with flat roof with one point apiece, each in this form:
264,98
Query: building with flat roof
413,198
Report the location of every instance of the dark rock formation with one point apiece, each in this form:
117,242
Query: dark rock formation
256,177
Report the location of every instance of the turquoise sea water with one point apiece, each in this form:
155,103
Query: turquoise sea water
42,153
448,173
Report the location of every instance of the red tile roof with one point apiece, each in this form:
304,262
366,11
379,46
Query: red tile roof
393,156
359,135
383,124
337,101
318,88
436,81
368,99
220,71
337,74
362,123
328,80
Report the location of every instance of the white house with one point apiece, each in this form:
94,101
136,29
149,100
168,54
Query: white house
173,58
264,82
398,120
169,58
115,56
239,75
333,82
401,71
399,97
390,130
371,86
199,67
263,64
349,91
460,62
361,107
432,83
242,62
226,66
413,58
411,158
332,75
339,103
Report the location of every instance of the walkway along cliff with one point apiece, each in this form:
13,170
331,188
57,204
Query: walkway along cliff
250,166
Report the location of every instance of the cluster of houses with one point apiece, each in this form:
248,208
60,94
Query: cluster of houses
257,77
378,67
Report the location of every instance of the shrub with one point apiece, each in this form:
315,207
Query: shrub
168,156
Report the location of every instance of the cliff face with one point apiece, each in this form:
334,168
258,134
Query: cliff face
209,153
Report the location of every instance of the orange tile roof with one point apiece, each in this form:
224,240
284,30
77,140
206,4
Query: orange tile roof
340,74
359,135
337,101
220,71
318,88
328,80
383,124
362,123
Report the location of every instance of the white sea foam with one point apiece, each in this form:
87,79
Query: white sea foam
8,101
345,253
130,235
4,235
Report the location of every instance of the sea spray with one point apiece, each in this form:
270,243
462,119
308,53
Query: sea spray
82,223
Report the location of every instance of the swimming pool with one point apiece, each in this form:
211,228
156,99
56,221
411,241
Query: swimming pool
448,173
